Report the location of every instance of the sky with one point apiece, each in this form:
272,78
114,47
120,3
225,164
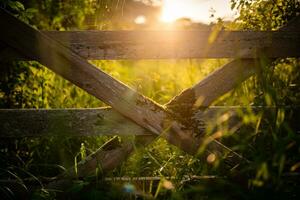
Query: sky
197,10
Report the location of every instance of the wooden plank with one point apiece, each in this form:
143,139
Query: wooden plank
107,45
216,84
77,122
8,54
71,122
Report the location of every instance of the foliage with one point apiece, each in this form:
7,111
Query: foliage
274,144
265,15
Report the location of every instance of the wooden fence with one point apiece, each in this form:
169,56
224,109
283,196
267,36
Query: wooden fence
179,122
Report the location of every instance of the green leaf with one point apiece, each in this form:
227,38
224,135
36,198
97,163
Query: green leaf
16,5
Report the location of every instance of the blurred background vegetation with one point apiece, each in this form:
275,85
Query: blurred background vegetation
270,139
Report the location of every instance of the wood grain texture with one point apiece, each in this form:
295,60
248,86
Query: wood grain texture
216,84
114,45
105,158
68,122
15,123
8,54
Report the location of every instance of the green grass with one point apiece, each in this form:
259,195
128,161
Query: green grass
266,139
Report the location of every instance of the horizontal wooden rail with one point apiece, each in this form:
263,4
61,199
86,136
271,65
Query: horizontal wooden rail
77,122
98,121
107,45
72,122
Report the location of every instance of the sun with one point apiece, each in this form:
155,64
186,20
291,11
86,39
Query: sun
175,9
196,10
172,10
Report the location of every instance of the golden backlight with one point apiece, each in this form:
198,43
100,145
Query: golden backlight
172,10
196,10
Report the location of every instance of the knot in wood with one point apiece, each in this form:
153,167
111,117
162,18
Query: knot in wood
182,109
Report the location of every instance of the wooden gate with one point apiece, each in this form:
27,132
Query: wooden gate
180,122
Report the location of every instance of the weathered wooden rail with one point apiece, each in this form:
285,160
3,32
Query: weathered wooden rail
172,44
180,121
17,123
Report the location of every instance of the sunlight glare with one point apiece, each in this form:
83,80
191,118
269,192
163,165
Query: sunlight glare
196,10
141,19
173,10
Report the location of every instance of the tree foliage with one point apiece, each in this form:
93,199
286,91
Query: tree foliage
265,14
